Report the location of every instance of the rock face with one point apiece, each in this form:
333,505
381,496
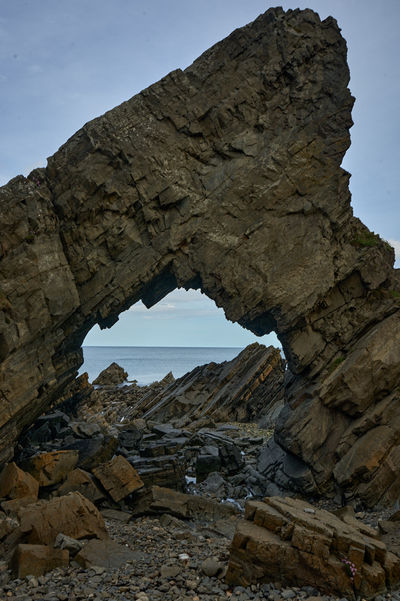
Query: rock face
290,541
244,389
224,177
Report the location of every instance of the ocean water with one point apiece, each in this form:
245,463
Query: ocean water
149,363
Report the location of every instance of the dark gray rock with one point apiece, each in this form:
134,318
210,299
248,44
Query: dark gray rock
93,451
111,376
206,464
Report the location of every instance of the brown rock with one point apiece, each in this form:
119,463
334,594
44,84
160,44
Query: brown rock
14,506
36,560
158,500
115,514
52,467
7,525
111,376
225,177
80,481
289,541
15,483
391,535
395,517
118,477
73,515
106,554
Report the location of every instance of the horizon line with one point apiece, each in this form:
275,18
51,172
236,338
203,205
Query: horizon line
153,346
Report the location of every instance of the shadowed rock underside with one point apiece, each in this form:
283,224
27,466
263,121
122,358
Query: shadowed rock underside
226,178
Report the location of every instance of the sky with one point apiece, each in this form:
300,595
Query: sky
64,63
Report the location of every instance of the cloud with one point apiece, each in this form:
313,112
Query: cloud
396,246
178,304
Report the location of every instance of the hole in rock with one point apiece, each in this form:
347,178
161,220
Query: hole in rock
181,331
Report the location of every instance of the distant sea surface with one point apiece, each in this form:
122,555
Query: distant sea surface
149,363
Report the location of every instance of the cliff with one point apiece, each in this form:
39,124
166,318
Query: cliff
225,177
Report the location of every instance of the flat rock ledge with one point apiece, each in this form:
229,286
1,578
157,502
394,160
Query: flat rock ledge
289,540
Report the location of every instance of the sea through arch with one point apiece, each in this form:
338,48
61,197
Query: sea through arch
183,330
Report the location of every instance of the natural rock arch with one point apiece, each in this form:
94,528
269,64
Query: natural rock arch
224,177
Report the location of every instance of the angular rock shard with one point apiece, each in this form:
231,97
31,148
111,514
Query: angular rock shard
118,477
226,178
80,481
16,484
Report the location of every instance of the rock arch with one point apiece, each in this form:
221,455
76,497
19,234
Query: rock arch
224,177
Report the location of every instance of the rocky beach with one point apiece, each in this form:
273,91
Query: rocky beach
105,502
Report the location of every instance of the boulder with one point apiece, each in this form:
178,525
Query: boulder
130,437
72,515
206,464
85,430
36,560
288,540
228,453
118,478
158,500
106,553
72,545
80,481
167,470
111,376
93,451
52,467
116,514
48,427
15,483
13,506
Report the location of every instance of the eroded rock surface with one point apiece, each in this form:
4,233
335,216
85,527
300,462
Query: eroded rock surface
247,388
224,177
290,541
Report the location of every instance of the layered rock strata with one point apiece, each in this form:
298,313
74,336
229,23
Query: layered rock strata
226,178
290,541
247,388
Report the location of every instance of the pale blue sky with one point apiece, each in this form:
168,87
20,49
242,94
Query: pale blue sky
63,63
